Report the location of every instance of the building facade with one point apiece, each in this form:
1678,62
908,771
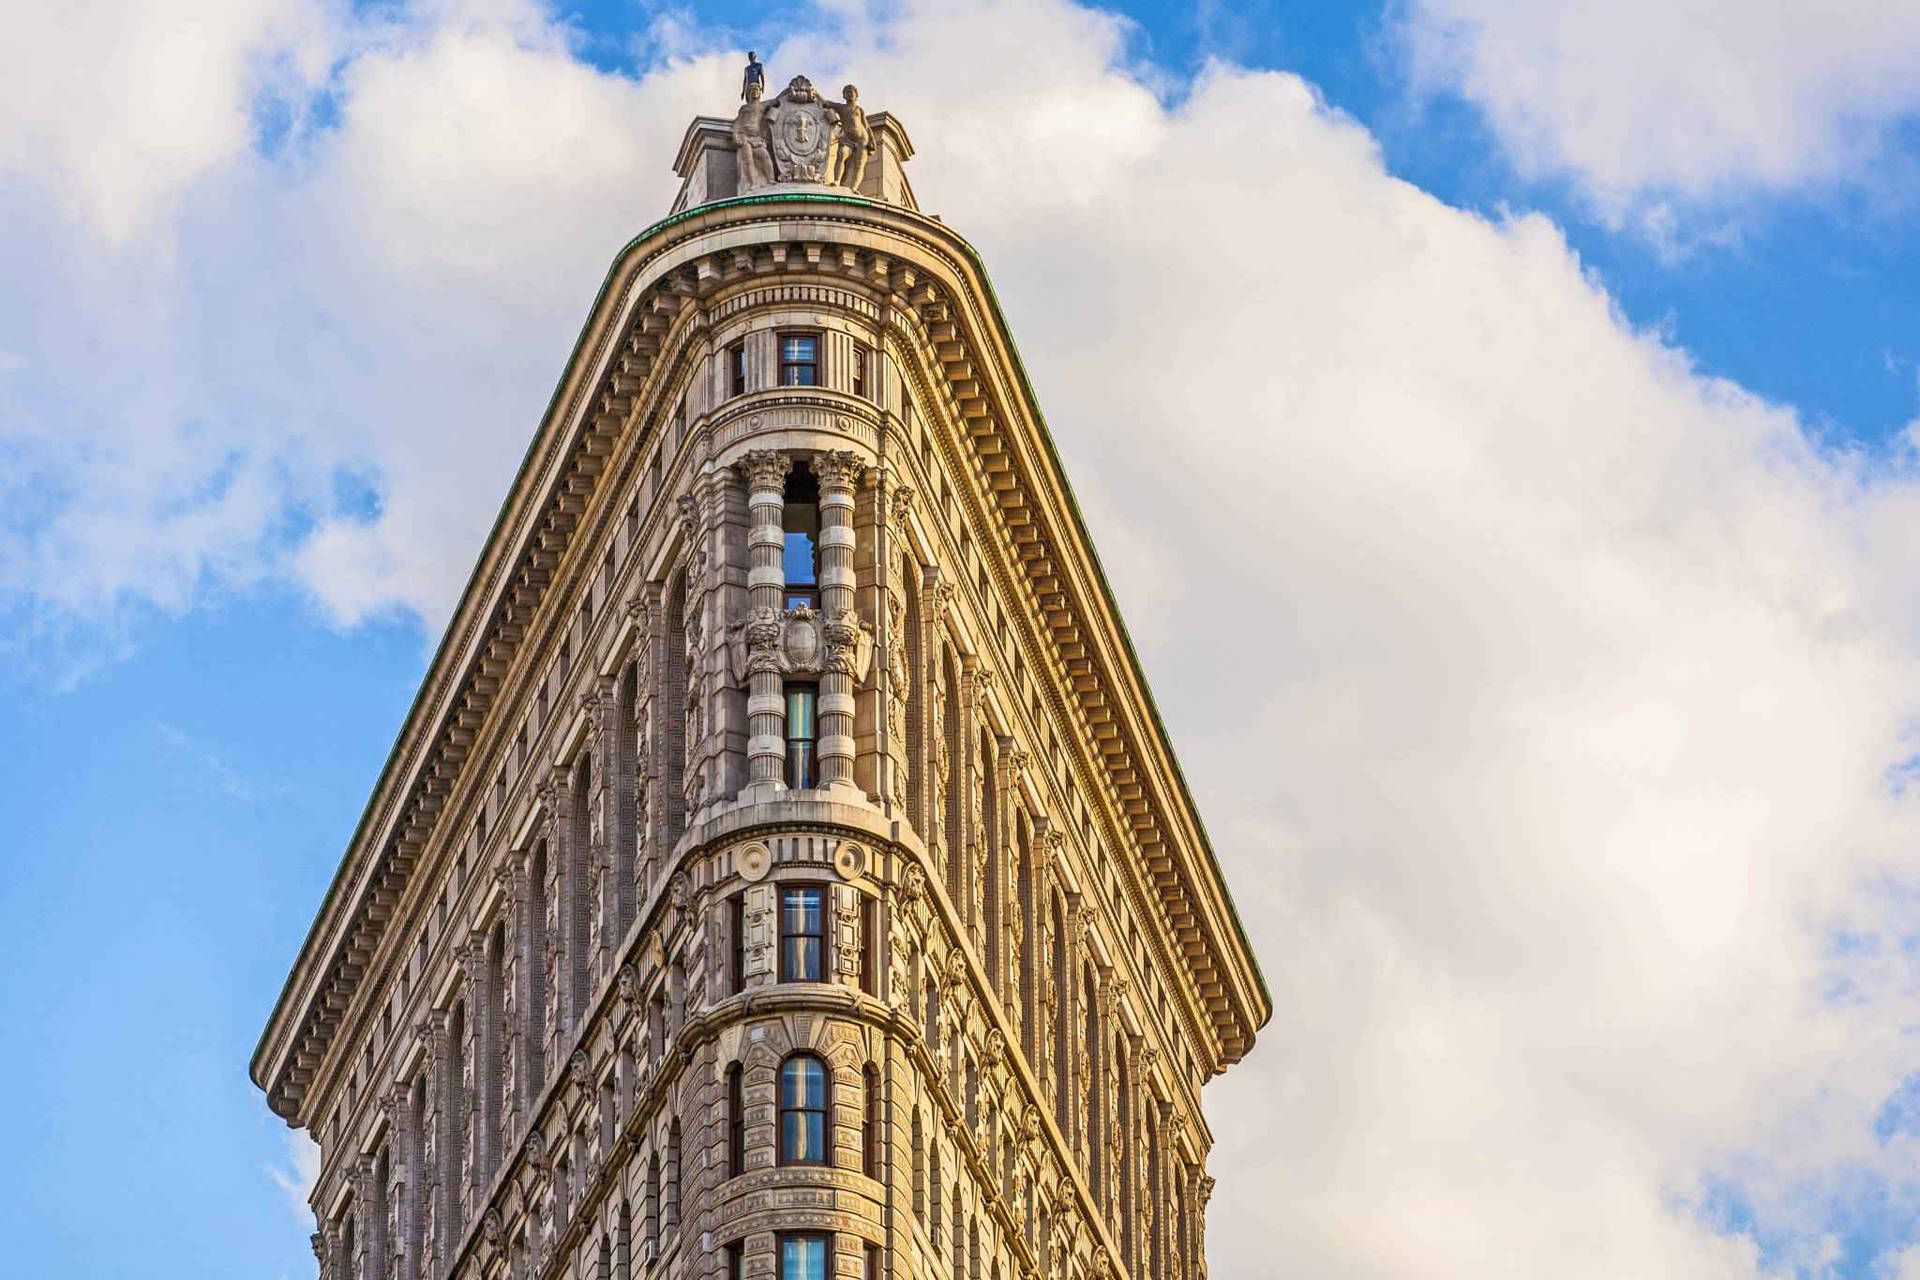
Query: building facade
782,871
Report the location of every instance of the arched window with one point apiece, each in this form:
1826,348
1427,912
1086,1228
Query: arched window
736,1123
803,1110
671,1210
653,1203
919,1154
933,1193
347,1263
623,1245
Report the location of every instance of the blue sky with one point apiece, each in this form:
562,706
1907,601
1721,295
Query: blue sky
1575,500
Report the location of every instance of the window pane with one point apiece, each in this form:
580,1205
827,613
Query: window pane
798,559
803,1258
808,968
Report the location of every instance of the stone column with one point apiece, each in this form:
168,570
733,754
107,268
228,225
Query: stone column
400,1238
440,1099
475,1097
838,471
1011,760
368,1218
603,911
516,1000
766,473
963,842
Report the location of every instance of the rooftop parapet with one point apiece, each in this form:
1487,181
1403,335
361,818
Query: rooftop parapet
798,141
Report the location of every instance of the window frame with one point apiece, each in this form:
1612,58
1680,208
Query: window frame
819,936
783,1108
782,364
737,368
780,1240
793,774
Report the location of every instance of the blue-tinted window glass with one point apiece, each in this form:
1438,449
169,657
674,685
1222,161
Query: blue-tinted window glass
803,1258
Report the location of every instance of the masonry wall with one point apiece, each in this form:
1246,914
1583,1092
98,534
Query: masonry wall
535,1078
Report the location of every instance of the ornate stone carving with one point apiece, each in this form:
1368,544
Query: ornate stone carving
995,1051
802,133
913,883
536,1151
765,470
751,150
580,1067
837,468
629,985
493,1228
853,141
900,505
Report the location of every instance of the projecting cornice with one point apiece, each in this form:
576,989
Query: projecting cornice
929,287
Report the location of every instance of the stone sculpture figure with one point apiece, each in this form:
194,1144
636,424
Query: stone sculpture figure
854,142
755,76
750,137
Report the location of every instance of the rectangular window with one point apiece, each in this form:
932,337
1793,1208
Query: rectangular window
736,1260
803,926
802,734
869,946
860,371
799,360
803,1257
736,1123
737,939
800,528
737,369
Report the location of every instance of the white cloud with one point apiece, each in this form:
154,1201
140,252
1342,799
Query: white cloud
297,1178
1699,99
1545,709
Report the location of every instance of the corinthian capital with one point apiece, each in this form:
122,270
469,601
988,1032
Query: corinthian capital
765,470
837,469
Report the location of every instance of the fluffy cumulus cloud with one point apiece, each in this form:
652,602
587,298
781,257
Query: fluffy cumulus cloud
1644,100
1551,703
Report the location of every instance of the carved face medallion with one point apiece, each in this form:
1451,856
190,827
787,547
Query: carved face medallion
801,132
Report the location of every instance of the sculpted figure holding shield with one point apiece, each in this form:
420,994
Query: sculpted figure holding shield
750,141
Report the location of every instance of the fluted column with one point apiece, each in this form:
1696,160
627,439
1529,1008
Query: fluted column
476,1099
837,471
766,474
1011,762
367,1219
433,1027
963,842
516,999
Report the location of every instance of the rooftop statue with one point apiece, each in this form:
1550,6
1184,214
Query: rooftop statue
750,135
853,141
798,136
